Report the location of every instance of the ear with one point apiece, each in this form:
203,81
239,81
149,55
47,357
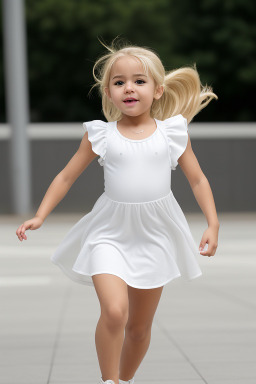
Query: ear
106,90
158,92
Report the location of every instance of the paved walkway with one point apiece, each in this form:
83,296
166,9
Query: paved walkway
204,331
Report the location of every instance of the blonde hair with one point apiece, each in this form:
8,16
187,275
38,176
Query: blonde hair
183,92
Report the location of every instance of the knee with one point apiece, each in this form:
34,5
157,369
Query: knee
115,316
138,333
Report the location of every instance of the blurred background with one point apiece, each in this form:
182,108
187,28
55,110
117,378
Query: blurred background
204,331
60,45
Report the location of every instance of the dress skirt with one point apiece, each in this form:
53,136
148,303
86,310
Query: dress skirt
147,244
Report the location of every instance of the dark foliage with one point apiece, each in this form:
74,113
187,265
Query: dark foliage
219,36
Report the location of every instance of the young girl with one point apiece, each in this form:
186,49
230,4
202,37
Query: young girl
136,238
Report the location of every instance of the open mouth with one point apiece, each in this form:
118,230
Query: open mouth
130,101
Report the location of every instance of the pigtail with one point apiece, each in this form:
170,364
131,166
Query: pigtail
184,94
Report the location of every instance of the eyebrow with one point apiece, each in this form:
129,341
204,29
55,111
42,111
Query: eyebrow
137,74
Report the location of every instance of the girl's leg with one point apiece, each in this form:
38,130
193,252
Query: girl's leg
113,296
142,307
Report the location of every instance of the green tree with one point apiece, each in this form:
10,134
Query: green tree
63,46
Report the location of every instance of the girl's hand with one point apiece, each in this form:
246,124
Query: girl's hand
210,239
32,224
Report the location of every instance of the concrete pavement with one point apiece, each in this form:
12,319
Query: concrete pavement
204,331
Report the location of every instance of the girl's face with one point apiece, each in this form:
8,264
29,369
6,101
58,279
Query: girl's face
128,80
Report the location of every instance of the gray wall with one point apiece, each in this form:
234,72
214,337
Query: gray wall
228,163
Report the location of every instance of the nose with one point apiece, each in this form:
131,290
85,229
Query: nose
128,86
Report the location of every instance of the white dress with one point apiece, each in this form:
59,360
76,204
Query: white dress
136,229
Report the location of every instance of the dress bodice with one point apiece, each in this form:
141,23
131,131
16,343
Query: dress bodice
138,170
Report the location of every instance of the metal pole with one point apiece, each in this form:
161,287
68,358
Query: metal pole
17,103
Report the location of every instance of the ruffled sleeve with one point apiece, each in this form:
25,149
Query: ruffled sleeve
97,135
177,137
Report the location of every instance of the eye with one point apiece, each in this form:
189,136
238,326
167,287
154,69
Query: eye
117,82
142,81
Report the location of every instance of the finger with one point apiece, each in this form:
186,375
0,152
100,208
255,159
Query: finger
24,235
22,232
204,253
19,229
19,234
24,228
201,247
204,248
207,253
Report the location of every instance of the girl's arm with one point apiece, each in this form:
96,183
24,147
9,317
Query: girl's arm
64,180
203,194
60,186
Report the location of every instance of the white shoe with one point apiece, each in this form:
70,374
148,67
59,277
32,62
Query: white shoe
127,382
106,382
